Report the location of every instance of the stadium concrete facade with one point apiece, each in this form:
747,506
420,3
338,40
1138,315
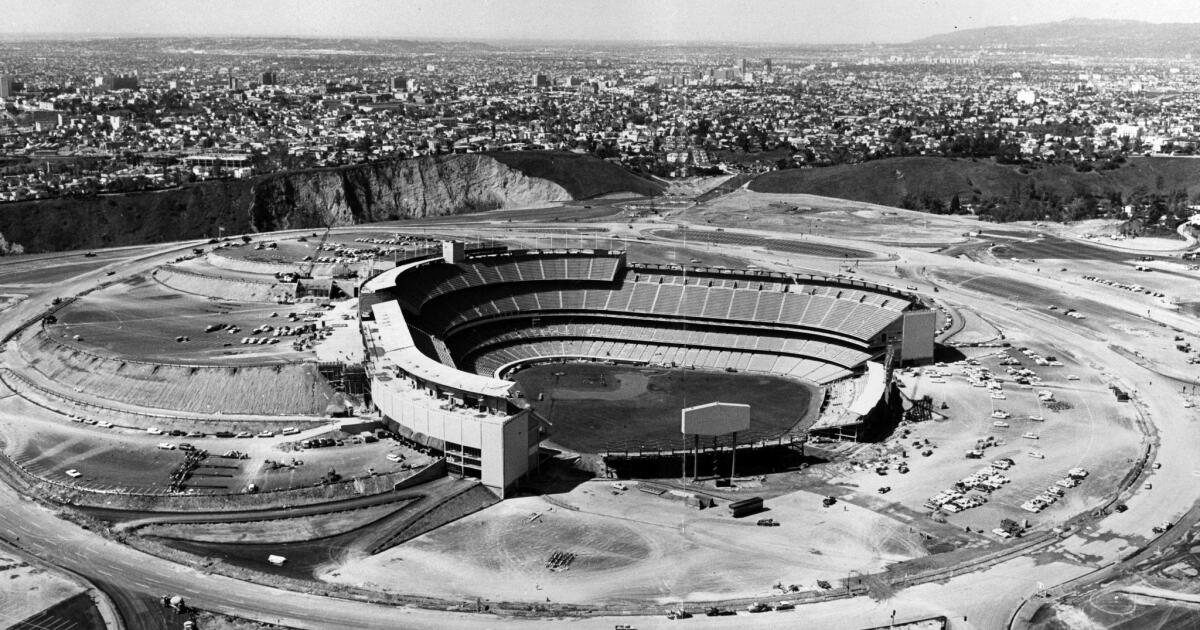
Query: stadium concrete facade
442,331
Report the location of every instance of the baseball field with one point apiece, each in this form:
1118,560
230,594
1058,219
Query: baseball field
593,407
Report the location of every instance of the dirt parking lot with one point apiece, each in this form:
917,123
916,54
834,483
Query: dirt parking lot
1095,433
142,319
631,545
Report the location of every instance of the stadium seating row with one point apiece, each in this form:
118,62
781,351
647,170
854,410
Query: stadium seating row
769,345
439,279
852,294
656,354
431,346
857,320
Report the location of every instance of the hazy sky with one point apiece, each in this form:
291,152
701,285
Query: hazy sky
785,21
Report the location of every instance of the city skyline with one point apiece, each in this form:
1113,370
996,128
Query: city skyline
729,21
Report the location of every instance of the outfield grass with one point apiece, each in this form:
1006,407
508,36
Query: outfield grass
594,407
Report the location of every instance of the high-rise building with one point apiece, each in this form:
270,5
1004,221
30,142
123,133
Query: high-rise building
270,77
400,83
767,65
540,80
744,66
235,83
117,81
7,86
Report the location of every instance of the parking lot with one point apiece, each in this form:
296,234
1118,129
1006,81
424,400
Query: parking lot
996,448
70,451
143,320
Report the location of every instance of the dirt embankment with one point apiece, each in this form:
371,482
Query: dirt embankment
380,191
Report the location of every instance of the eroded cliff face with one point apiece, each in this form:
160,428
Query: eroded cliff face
395,190
309,199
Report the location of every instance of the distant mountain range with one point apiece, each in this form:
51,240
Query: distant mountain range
1117,37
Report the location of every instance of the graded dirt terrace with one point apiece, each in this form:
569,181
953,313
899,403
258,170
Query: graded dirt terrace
631,546
291,251
141,319
593,407
810,215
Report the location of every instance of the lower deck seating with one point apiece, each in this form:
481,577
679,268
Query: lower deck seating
471,343
494,357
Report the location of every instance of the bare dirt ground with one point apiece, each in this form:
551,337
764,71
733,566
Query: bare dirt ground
1101,231
26,590
284,530
832,218
142,319
214,621
633,545
695,186
128,459
1095,433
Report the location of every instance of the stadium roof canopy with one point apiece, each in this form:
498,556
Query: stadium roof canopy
398,346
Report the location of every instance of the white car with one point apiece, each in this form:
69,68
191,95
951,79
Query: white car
74,474
392,457
1030,436
166,446
154,431
104,424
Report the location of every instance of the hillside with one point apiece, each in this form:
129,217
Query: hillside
1129,37
583,176
889,181
365,193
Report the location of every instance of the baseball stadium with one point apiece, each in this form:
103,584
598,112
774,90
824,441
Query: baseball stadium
602,402
444,333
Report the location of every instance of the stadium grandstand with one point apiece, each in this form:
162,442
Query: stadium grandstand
444,331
